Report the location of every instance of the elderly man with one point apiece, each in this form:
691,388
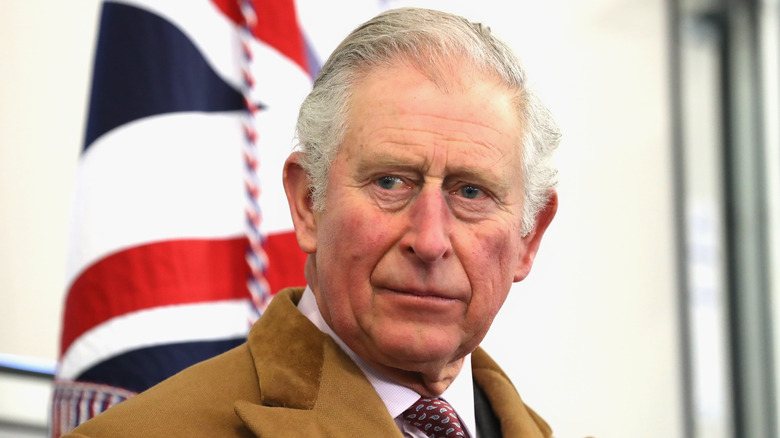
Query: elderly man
421,192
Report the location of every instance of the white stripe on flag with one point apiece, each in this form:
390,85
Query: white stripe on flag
172,176
164,177
183,323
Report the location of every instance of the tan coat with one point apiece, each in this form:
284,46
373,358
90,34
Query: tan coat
288,380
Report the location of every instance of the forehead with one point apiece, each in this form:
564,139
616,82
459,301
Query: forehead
399,110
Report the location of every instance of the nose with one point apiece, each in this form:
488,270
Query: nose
428,237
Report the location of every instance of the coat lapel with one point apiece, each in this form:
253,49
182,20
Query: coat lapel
308,386
517,420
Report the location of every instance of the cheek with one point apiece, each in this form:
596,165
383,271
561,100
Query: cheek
491,267
489,272
360,233
351,243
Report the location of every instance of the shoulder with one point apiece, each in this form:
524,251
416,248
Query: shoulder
198,401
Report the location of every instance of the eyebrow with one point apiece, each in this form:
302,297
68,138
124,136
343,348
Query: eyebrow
371,161
499,186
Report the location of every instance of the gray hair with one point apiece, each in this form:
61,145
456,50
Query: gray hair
434,42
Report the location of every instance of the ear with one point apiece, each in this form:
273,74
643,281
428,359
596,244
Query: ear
296,187
531,241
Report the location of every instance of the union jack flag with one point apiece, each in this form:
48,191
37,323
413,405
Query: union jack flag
192,111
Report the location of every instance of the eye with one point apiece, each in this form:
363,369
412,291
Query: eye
389,182
471,192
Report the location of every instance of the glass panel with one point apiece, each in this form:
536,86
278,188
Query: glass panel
705,279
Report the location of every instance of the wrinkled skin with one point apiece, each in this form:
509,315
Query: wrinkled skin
420,239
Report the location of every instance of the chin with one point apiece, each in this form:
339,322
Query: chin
419,355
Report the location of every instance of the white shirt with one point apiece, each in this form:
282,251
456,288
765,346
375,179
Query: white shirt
397,398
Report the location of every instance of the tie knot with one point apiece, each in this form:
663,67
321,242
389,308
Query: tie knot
434,417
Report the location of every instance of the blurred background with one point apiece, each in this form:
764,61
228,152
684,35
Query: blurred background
652,309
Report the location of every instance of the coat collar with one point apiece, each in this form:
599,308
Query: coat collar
517,419
308,386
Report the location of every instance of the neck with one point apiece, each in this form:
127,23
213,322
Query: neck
428,382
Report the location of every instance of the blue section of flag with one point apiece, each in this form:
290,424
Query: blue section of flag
137,370
311,59
144,66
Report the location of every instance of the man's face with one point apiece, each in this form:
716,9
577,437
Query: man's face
420,238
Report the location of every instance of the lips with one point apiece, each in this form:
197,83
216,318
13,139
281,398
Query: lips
422,292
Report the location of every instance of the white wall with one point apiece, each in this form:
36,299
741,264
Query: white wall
45,64
596,324
590,339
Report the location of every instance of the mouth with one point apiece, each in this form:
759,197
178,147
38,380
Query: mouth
426,294
421,304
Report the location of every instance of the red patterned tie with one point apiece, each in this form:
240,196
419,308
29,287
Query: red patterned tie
435,417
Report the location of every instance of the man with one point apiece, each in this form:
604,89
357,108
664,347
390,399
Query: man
421,192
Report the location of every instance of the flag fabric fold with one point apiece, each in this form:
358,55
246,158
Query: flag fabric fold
157,268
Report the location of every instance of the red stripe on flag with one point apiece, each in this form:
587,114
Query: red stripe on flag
277,26
170,273
156,274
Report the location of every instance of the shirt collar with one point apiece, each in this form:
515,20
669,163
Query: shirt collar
397,398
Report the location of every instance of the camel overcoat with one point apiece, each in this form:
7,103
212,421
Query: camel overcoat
288,380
